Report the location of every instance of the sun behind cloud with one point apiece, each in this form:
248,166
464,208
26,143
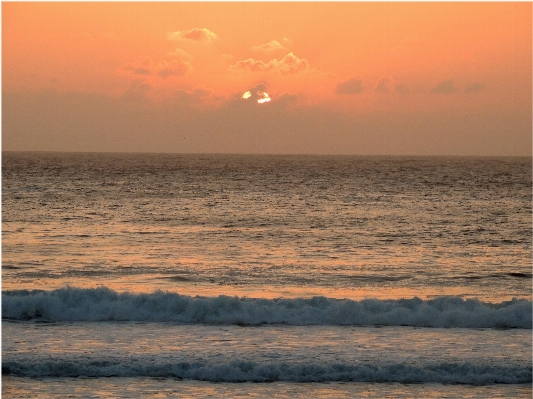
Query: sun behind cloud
257,93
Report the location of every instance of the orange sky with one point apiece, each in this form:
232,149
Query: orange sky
359,78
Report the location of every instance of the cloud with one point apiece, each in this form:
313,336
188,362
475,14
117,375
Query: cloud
180,55
259,87
56,121
173,68
140,67
198,95
383,86
270,46
474,88
444,87
137,91
260,94
286,100
288,65
353,85
287,41
401,88
179,66
251,65
292,64
257,94
196,35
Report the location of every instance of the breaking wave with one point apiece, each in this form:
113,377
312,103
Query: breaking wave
103,304
244,371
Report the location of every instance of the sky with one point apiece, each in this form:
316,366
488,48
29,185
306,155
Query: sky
376,78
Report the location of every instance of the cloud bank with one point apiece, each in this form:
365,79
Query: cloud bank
51,121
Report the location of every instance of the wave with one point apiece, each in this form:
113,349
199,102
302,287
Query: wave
244,371
103,304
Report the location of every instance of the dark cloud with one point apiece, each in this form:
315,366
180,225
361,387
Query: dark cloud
173,68
142,71
474,88
401,88
137,91
353,85
179,65
51,121
445,87
144,68
287,99
198,95
259,87
383,86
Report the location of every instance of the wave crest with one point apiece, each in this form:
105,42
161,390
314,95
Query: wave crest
242,371
103,304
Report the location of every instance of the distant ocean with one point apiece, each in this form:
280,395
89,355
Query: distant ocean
195,276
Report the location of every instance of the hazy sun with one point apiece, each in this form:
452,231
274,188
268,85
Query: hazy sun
262,97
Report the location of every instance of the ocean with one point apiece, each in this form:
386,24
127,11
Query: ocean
265,276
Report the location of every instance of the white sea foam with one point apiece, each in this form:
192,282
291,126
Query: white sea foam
103,304
244,371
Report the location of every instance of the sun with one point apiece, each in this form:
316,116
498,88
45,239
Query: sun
264,97
261,96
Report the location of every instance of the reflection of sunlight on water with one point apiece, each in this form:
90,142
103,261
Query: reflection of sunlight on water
149,388
268,226
216,287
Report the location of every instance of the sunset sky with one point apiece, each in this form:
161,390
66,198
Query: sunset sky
333,78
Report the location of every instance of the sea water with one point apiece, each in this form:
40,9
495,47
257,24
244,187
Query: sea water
158,275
